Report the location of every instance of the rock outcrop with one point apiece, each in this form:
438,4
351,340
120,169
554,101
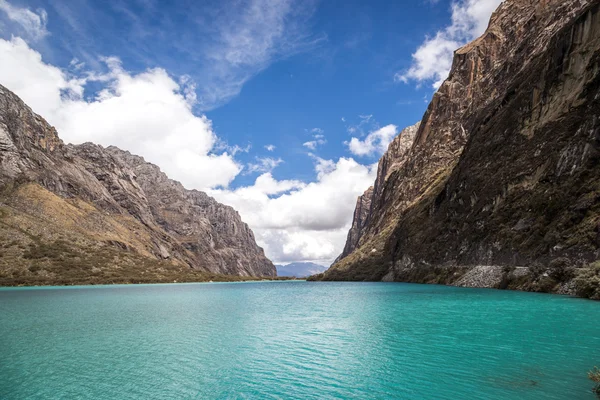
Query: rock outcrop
213,232
372,201
114,202
504,168
362,211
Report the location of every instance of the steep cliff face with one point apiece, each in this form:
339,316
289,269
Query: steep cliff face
362,211
504,167
61,200
213,232
367,221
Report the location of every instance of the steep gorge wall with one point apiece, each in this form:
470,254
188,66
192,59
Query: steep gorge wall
503,170
367,221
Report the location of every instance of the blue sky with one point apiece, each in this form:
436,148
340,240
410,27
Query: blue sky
254,101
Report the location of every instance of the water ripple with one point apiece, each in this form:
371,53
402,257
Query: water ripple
294,341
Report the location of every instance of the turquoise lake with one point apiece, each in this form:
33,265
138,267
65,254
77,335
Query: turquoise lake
284,340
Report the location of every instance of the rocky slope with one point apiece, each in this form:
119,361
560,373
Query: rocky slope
110,210
367,218
500,187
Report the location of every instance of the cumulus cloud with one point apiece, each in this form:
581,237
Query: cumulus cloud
375,143
297,221
433,59
149,113
32,23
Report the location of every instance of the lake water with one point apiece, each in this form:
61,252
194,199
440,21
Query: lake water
303,340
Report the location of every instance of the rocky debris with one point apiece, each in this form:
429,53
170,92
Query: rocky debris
166,220
505,165
481,276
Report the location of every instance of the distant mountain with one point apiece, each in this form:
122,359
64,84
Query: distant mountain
300,269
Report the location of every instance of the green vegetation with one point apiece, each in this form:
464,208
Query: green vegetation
587,281
63,262
557,275
594,376
48,240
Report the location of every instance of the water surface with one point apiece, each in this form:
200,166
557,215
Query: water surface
294,340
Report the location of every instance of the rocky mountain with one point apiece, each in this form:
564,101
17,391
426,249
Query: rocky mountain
500,187
369,204
85,213
300,269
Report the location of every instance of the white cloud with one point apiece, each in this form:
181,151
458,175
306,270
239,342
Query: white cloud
297,221
318,139
270,147
433,59
149,114
233,150
375,143
313,144
34,24
248,38
263,164
365,122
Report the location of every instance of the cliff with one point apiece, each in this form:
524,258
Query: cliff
367,220
500,187
80,214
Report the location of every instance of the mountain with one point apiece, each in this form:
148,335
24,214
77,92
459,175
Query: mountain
300,269
88,214
501,184
371,201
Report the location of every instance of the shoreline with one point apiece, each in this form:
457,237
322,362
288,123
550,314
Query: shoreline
123,285
83,285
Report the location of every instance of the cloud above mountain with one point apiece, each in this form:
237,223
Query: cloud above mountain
151,114
294,220
433,59
375,143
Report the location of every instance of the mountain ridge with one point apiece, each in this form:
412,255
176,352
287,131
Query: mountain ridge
129,209
502,169
300,269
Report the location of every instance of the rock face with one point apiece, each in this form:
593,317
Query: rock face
362,211
136,209
372,201
213,232
505,165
